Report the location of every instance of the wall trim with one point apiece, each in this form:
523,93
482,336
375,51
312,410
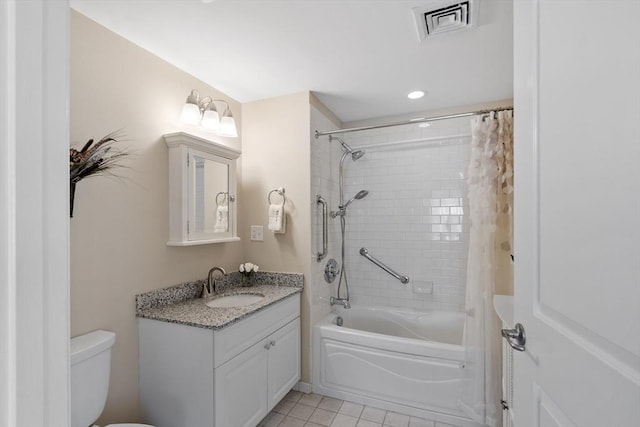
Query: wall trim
302,387
34,216
8,384
315,102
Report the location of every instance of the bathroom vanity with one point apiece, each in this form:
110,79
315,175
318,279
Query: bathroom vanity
219,367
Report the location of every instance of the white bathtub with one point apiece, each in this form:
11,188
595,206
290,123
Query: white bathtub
396,359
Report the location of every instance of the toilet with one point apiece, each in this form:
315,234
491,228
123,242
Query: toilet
90,369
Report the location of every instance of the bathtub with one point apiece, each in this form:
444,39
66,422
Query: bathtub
400,360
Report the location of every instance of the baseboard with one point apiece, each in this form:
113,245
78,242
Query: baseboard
302,387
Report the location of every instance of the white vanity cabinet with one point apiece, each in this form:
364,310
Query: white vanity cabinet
252,383
234,376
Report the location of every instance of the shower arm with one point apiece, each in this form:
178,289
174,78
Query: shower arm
365,253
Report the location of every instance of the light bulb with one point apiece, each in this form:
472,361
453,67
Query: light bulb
210,120
228,125
190,114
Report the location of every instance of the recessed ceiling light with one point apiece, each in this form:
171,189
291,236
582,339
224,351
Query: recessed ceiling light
416,94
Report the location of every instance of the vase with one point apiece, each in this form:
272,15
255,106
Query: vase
72,196
246,280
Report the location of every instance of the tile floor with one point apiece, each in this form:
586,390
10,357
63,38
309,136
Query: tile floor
313,410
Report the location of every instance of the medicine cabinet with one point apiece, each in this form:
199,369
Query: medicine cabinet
202,191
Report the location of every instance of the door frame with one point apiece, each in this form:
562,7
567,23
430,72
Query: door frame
34,219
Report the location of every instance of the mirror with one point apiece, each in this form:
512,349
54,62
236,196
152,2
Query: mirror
211,196
202,188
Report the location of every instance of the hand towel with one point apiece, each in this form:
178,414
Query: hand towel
222,219
277,218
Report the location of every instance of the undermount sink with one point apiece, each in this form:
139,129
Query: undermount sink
238,300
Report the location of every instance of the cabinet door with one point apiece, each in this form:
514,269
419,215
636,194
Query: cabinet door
283,361
240,386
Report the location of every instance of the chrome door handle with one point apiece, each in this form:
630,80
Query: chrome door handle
515,337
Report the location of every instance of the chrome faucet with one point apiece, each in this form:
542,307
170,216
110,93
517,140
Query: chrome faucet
341,301
210,287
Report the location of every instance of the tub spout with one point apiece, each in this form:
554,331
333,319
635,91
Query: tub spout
340,301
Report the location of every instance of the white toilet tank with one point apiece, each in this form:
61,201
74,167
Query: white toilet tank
90,369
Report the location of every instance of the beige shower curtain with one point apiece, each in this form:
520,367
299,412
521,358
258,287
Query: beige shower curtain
489,267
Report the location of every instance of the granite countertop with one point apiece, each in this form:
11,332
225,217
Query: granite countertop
181,303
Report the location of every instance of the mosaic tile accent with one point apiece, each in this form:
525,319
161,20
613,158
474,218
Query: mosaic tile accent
182,303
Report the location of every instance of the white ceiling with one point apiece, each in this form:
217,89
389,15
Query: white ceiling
360,57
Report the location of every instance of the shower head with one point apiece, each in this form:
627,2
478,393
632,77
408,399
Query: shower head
355,155
361,194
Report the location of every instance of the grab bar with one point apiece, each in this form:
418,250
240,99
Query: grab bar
365,253
325,228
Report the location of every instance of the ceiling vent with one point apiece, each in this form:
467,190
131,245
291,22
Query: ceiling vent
442,18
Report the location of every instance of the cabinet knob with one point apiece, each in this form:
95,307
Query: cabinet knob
267,345
273,343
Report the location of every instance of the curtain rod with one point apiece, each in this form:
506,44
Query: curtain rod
412,121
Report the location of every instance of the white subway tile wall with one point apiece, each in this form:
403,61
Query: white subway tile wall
325,158
414,218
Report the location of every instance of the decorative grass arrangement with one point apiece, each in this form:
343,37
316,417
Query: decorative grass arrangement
93,160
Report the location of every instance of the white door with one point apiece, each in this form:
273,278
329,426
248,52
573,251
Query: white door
577,212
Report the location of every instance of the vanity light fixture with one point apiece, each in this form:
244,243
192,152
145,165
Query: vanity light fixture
203,112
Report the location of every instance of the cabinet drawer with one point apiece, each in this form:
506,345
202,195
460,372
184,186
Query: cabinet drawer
230,341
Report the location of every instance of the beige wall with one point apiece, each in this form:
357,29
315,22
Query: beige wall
275,154
120,226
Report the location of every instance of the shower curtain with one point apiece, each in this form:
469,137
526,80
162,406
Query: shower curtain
490,186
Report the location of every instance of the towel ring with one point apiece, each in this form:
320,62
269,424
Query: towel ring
280,191
224,197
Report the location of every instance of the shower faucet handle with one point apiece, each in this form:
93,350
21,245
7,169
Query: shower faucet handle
340,301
